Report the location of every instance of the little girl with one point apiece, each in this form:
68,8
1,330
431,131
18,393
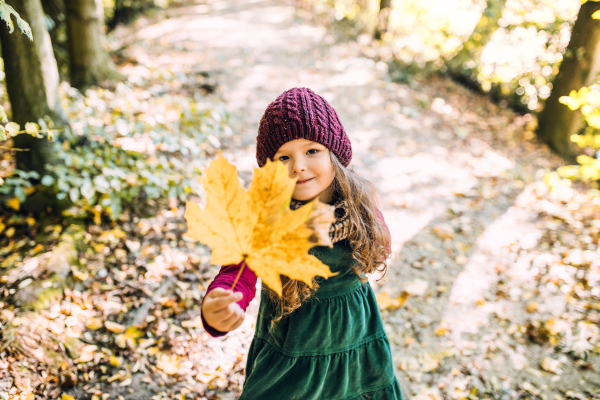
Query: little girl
324,341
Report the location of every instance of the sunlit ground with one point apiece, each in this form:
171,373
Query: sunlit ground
456,176
486,290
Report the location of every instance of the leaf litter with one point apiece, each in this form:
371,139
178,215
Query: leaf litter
536,337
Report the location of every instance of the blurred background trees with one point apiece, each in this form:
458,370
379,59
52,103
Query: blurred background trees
95,166
31,83
579,68
89,62
526,54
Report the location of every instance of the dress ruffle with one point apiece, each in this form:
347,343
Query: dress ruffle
314,328
337,376
333,347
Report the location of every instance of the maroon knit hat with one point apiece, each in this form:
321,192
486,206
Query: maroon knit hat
300,113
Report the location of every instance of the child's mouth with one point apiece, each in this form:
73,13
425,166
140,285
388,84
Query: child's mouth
304,181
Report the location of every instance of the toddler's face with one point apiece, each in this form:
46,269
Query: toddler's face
310,163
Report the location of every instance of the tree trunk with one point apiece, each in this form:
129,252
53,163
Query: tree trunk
481,35
579,68
31,83
385,8
88,58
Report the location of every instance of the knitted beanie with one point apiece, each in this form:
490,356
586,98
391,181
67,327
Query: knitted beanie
300,113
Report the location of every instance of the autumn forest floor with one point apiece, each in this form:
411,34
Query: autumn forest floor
492,291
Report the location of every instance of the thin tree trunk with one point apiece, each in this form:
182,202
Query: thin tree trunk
31,82
579,68
471,49
89,60
385,8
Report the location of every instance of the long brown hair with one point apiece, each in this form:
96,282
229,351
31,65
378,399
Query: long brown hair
368,236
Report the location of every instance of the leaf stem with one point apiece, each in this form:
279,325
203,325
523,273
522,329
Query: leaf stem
238,275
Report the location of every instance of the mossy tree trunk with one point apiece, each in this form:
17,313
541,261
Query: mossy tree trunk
89,60
385,8
31,82
579,68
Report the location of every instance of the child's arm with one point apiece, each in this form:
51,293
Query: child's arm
246,285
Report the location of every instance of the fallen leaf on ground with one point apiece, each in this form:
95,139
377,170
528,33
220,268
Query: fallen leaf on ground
461,259
114,361
27,396
550,365
82,276
167,364
441,331
444,231
532,307
205,377
129,338
94,323
114,327
556,326
429,363
417,287
386,302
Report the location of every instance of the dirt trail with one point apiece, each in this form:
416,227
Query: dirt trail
456,174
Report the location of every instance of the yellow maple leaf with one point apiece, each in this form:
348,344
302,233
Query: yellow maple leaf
257,226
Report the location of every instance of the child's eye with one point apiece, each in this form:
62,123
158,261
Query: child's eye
312,151
283,158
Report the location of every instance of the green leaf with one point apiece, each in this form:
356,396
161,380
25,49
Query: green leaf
5,13
47,180
3,117
3,135
12,128
74,194
20,193
32,129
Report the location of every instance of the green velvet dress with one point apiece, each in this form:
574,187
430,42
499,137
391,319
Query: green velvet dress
333,347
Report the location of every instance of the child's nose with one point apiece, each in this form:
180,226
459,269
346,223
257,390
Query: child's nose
298,167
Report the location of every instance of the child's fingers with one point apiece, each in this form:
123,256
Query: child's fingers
218,292
236,324
233,319
224,313
220,303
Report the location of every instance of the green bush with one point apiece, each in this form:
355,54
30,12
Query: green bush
588,100
124,148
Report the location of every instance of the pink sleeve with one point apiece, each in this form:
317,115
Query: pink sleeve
224,279
380,216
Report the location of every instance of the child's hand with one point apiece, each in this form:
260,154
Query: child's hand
221,311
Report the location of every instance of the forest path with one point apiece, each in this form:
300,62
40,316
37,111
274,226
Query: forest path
456,176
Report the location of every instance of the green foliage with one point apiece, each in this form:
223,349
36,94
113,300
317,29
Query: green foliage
19,184
588,100
6,11
125,149
513,51
125,11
